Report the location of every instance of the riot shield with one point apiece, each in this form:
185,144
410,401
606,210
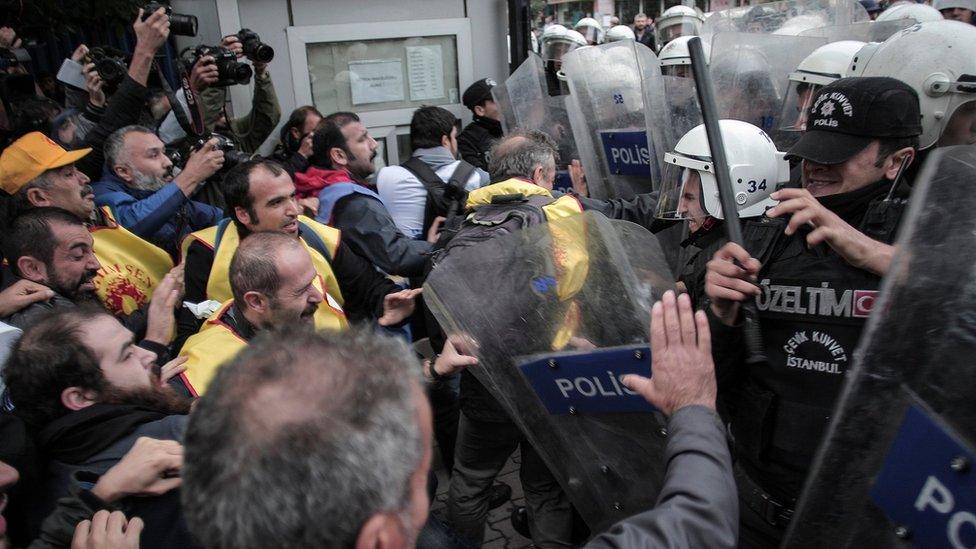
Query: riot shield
866,31
896,461
525,102
611,125
569,290
751,74
788,17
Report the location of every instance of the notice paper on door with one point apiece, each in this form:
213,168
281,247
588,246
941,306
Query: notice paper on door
425,72
376,81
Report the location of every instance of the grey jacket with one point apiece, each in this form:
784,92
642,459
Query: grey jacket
698,505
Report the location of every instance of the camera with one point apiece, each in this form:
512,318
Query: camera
19,56
254,48
230,71
232,156
179,24
110,64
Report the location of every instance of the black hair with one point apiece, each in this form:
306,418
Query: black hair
33,115
30,235
328,136
254,267
49,358
295,122
888,146
429,125
236,187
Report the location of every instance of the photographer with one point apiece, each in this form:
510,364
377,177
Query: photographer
210,77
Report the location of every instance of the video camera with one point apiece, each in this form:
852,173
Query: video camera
179,23
230,71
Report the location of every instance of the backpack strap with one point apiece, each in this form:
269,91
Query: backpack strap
427,176
221,227
455,186
313,239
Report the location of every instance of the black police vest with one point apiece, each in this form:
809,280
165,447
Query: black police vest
812,309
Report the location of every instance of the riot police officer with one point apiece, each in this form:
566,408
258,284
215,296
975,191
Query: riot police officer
814,276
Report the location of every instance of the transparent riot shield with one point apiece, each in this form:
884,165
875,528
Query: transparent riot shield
865,31
787,17
563,294
611,124
750,73
525,101
896,465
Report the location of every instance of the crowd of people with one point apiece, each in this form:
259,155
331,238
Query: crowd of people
206,347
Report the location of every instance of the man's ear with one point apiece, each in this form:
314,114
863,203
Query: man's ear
38,197
538,175
479,110
257,301
446,141
242,215
338,157
123,172
76,398
894,162
32,269
381,531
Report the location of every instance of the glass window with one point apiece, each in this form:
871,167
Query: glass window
384,74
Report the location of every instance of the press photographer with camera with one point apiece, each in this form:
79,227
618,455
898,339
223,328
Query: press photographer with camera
213,70
147,196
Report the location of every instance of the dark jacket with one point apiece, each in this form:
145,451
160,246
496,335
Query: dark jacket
812,309
250,130
697,506
362,287
368,228
96,438
647,38
162,217
476,140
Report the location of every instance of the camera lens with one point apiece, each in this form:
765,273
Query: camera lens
261,53
183,25
241,73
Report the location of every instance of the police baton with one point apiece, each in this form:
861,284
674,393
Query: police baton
755,351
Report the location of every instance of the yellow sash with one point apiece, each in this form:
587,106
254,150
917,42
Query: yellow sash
209,349
329,315
131,267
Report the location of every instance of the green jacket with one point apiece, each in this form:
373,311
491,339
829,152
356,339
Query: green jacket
250,130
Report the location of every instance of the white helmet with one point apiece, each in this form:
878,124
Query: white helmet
620,32
675,59
757,169
938,60
677,21
557,40
919,12
949,4
824,65
803,22
590,29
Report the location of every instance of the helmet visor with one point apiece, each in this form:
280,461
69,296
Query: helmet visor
554,50
961,127
676,70
681,192
796,109
667,31
592,34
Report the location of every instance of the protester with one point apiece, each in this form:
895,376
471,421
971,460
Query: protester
304,464
425,186
644,30
87,400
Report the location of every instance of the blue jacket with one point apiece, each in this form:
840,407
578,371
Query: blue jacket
162,217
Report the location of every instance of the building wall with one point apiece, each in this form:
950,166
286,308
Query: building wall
270,18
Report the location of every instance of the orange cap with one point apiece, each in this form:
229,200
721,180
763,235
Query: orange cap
29,157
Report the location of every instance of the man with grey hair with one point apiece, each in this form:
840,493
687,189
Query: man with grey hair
523,167
144,194
320,441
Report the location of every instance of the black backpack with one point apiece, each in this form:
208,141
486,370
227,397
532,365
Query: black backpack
443,198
